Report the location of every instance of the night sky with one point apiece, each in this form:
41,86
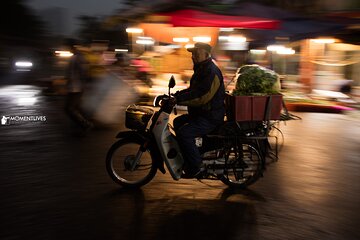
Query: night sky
76,8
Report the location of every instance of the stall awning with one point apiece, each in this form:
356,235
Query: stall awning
195,18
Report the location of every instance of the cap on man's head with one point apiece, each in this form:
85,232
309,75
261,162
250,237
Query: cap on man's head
200,45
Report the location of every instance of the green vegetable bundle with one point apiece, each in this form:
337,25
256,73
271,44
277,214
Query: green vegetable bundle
256,80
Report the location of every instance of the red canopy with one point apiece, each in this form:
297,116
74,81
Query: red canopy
194,18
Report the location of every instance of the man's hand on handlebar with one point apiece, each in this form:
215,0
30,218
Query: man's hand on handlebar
172,99
165,99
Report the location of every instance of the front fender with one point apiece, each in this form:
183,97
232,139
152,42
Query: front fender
126,134
154,151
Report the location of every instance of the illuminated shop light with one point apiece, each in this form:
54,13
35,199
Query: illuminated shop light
226,29
275,48
134,30
286,51
237,39
121,50
323,40
23,64
203,39
64,54
181,39
223,38
145,42
258,51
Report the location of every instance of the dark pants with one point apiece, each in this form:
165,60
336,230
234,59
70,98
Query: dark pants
73,110
187,129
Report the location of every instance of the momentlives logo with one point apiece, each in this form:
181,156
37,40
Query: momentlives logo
7,120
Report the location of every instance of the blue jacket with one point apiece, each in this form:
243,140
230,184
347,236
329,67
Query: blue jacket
206,93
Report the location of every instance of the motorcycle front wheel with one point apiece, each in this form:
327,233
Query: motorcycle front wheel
130,164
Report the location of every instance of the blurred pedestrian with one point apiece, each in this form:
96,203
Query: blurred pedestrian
143,69
77,76
345,87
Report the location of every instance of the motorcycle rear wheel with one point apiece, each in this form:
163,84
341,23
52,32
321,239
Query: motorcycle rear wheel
244,166
121,166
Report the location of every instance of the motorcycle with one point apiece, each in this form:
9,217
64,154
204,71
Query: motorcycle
151,144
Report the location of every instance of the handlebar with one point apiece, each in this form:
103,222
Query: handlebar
163,100
166,103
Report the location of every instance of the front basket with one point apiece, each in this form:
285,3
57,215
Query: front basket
137,117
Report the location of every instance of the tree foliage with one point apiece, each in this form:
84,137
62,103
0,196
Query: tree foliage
17,21
94,28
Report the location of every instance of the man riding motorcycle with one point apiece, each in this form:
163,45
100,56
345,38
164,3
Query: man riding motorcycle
206,109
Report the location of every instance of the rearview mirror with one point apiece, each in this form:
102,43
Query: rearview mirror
172,82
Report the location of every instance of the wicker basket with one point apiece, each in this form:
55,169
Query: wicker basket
137,117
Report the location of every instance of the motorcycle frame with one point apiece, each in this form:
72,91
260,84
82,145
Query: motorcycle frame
166,150
167,145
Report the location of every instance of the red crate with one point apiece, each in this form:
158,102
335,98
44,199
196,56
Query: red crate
253,108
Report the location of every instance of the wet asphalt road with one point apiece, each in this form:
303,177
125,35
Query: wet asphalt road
54,185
